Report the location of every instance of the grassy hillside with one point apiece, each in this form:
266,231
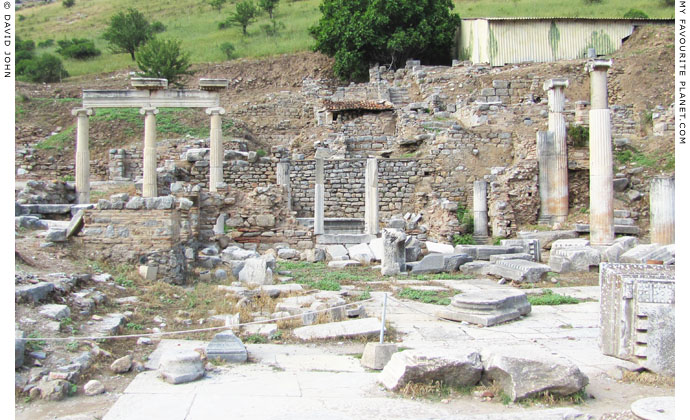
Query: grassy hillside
196,24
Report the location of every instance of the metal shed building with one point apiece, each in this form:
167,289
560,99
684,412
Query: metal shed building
500,41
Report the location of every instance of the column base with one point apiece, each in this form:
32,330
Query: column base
481,239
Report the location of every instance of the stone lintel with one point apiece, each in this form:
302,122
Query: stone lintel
213,84
146,83
164,98
82,111
598,65
556,83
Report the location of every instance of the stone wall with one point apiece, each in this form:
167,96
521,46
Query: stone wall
150,231
344,187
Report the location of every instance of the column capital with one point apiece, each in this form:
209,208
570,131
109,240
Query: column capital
598,65
147,110
556,83
78,112
215,110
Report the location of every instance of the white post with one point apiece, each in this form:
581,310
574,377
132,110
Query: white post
82,158
283,178
662,216
558,178
318,196
217,152
481,220
371,197
600,157
383,317
150,187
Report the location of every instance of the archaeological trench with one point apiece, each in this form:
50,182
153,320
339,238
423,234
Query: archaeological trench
381,185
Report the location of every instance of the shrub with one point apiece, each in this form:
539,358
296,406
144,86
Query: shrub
465,219
163,59
77,48
228,49
47,43
217,4
260,153
273,28
635,14
45,69
579,134
551,298
465,239
158,27
268,6
68,3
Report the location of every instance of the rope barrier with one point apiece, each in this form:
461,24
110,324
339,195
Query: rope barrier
225,327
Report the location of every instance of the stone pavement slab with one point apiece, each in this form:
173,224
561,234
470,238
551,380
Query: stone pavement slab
151,406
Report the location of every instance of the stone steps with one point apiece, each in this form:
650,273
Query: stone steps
399,96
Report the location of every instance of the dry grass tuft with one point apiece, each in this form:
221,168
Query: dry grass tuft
649,378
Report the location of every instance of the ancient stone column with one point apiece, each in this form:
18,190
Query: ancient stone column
371,197
393,261
81,161
150,177
600,157
546,159
662,203
283,178
558,181
318,196
217,152
481,219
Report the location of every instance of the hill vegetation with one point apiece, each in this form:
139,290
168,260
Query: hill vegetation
195,23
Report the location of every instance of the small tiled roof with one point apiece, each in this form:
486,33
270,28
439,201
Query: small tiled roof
335,106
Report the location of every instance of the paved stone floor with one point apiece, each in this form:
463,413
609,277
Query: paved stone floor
324,381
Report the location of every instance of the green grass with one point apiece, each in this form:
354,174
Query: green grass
256,339
551,298
168,120
318,275
196,25
35,345
58,141
426,296
662,160
326,284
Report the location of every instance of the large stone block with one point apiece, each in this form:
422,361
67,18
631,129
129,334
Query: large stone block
434,247
353,328
639,254
226,346
455,368
256,271
361,253
519,270
55,311
33,292
376,246
546,238
178,367
484,252
393,261
638,314
377,355
530,246
453,262
336,252
476,268
431,263
487,307
523,376
581,258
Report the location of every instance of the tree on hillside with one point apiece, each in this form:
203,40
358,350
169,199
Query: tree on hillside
358,33
163,59
127,32
217,4
245,14
268,6
68,3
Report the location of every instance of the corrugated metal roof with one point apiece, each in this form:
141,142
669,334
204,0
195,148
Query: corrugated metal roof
670,20
335,106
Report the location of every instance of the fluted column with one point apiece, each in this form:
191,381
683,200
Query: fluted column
558,190
371,197
217,152
82,158
481,219
150,187
318,196
662,216
546,159
600,157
